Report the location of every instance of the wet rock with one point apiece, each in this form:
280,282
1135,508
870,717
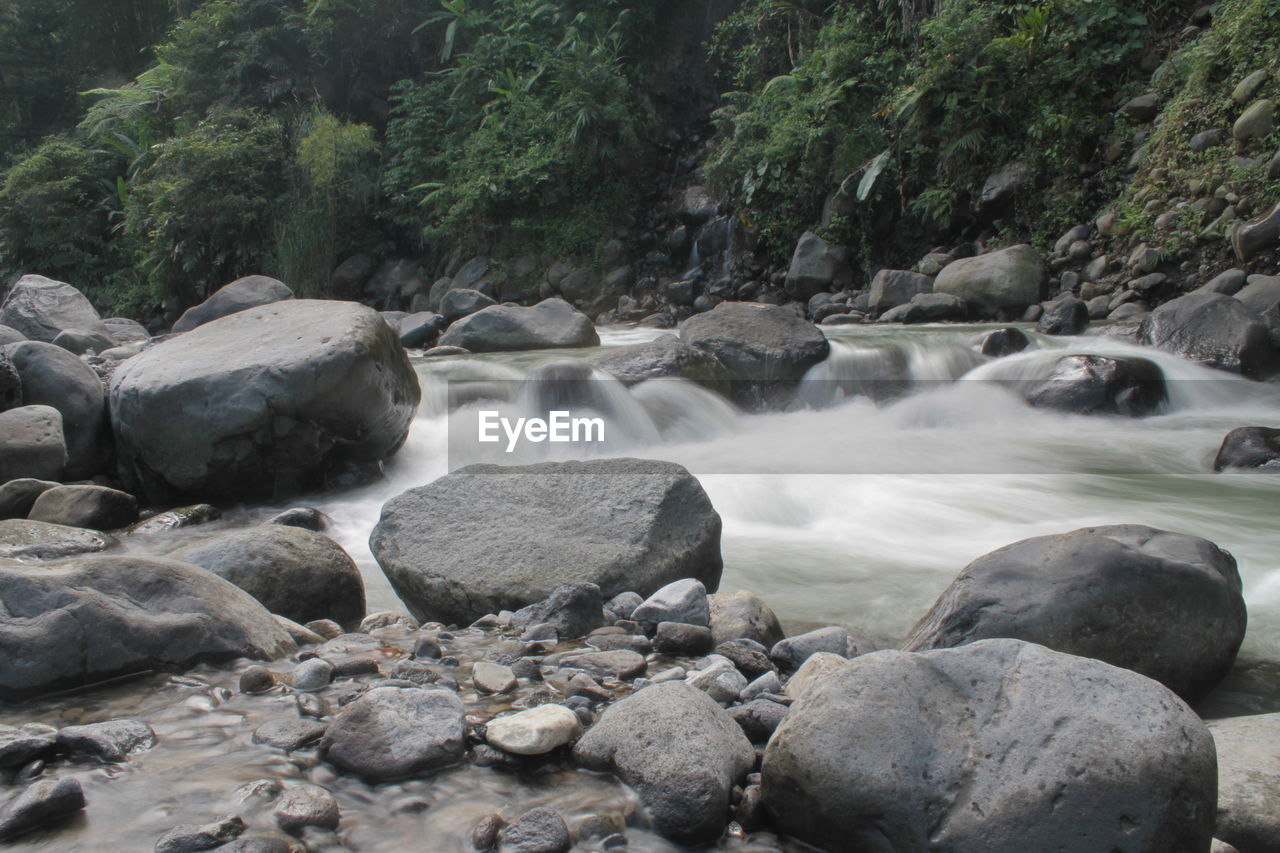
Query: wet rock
790,653
501,328
304,388
308,518
387,619
719,679
1009,279
96,507
102,616
814,264
927,308
19,746
618,663
683,601
1003,342
750,658
484,835
676,638
301,634
174,519
742,614
663,357
312,675
190,838
38,540
463,302
18,496
618,523
1163,604
1213,330
297,573
759,718
420,329
40,308
534,732
638,643
40,804
572,610
1067,316
493,677
1256,236
539,830
892,738
111,741
241,294
256,679
290,733
394,732
51,376
1249,447
302,806
1262,296
1001,186
1248,781
1094,384
891,288
678,750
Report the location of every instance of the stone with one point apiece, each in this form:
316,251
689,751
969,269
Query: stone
256,679
80,342
9,335
111,741
1261,296
491,677
190,838
297,573
25,540
813,672
1003,342
51,376
742,614
248,292
536,731
302,388
1257,235
1094,384
572,610
1067,316
1245,90
663,357
1006,280
1248,781
814,265
39,308
1213,330
720,680
32,446
1143,108
1207,139
759,718
123,330
552,323
927,308
1163,604
1255,122
1228,283
457,304
97,507
290,733
677,638
684,601
18,747
1001,186
898,751
393,732
621,664
622,524
680,752
41,803
88,618
420,329
1253,447
539,830
790,653
302,806
312,675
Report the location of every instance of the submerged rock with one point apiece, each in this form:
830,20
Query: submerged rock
111,741
393,732
1003,342
41,803
539,830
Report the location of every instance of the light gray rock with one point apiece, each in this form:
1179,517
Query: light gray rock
622,664
743,614
301,806
1213,330
51,376
891,288
40,308
489,677
79,342
552,323
1010,279
1256,121
250,291
190,838
26,540
125,331
534,732
312,675
10,335
393,732
683,601
1249,782
111,741
32,444
814,264
790,653
539,830
290,733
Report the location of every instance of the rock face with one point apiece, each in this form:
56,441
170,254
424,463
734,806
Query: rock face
991,748
550,324
80,620
40,308
679,750
51,376
765,348
1010,279
663,357
1214,330
1094,384
31,444
1249,782
1249,447
261,402
622,524
300,574
241,294
1162,604
392,732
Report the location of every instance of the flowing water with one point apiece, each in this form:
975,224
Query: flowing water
857,506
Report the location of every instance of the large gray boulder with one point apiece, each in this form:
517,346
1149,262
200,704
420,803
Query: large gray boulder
393,732
40,308
765,348
51,376
490,537
1262,297
10,335
266,401
248,292
70,623
28,541
552,323
679,750
1214,330
1163,604
1006,280
997,747
891,288
664,357
297,573
1095,384
32,444
1249,782
814,264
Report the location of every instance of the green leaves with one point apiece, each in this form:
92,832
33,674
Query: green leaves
874,168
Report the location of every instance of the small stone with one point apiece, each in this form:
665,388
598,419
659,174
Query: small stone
484,835
258,844
620,664
493,677
308,518
638,643
1257,121
428,647
721,682
39,804
758,718
586,687
289,734
388,619
790,653
534,732
767,683
189,838
311,675
682,601
354,666
111,741
676,638
624,604
326,628
257,679
1207,139
306,805
539,830
1248,87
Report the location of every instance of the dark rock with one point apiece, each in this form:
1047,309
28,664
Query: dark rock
684,601
189,838
1207,139
751,658
420,329
1143,108
41,803
51,376
1163,604
302,806
1249,447
1004,342
1262,297
392,732
174,519
40,308
898,751
663,357
1006,280
1000,187
308,518
18,496
96,507
891,288
298,573
1258,235
257,844
484,835
1227,283
10,383
1067,316
679,750
573,610
19,747
21,539
676,638
290,733
457,304
742,614
303,387
814,264
1248,781
1094,384
539,830
101,616
241,294
618,523
1214,330
111,741
551,323
256,679
790,653
927,308
759,718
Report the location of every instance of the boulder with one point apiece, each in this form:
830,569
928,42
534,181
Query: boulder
393,732
552,323
302,806
122,330
663,357
765,348
18,496
297,573
460,303
891,288
997,747
1249,782
76,621
927,308
742,614
241,294
1143,108
1095,384
1249,447
791,652
1262,296
97,507
1256,121
40,308
1258,235
109,741
1214,330
622,524
267,401
1067,316
420,329
1163,604
1228,283
79,341
1007,280
1003,342
814,265
10,335
51,376
28,541
31,444
680,751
